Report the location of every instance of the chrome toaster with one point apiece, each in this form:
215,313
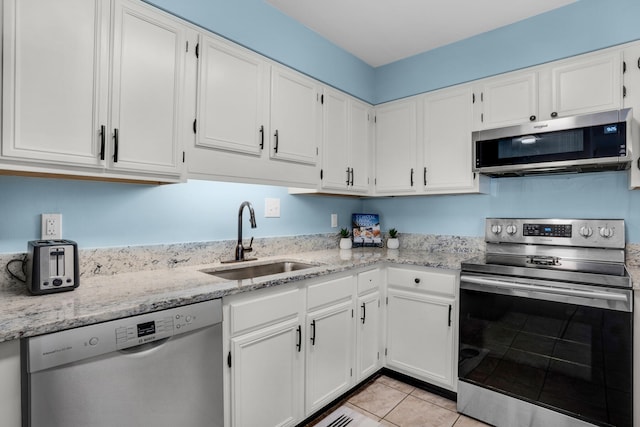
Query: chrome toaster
52,266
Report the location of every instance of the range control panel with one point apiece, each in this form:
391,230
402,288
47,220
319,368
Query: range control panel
592,233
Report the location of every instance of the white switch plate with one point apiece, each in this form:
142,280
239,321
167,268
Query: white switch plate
271,208
51,226
334,220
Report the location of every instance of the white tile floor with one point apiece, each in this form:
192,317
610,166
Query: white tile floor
394,403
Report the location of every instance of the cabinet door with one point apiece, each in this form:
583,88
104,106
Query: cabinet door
447,140
148,63
330,346
55,80
294,117
232,92
267,376
396,147
586,85
335,137
508,100
368,335
420,336
360,149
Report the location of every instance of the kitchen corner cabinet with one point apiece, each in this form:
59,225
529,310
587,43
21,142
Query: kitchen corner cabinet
447,146
264,383
346,125
396,144
346,139
369,324
421,324
330,341
10,406
91,101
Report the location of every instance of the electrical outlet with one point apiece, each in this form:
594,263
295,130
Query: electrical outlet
51,226
334,220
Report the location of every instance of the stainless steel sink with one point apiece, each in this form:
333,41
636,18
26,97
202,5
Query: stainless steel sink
252,271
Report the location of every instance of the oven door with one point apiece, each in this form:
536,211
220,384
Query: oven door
566,348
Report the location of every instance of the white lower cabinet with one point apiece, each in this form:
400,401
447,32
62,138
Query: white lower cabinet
421,325
295,348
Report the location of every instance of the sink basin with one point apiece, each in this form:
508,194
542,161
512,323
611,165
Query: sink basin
251,271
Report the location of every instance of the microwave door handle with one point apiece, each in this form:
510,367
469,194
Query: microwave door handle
535,288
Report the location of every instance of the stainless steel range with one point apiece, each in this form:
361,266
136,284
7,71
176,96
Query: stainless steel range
546,325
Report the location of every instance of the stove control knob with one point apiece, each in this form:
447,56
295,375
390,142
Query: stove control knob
496,229
606,232
511,229
586,231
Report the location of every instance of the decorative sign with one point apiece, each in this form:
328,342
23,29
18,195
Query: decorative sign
366,230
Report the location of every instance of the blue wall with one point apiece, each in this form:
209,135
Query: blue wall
109,214
592,195
99,214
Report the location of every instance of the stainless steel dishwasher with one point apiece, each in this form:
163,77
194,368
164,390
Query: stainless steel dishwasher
157,369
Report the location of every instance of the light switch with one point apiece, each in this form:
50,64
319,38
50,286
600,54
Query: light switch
334,220
271,208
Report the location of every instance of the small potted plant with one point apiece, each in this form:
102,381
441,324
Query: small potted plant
345,239
392,240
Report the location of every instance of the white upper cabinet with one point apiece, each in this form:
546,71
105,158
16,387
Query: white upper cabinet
632,100
233,97
447,141
585,84
147,90
55,80
295,109
346,142
506,100
58,110
396,148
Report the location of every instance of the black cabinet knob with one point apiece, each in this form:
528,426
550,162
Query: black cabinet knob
417,280
554,114
532,118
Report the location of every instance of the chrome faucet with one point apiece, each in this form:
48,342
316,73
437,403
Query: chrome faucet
240,249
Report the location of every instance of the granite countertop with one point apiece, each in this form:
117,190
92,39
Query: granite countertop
102,298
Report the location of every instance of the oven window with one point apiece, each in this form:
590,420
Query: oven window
571,358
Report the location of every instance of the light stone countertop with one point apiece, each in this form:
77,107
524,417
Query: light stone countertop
103,298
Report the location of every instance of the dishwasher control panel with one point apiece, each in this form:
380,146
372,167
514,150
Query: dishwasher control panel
46,351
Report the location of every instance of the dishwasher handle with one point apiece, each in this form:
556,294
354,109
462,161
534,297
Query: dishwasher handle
146,348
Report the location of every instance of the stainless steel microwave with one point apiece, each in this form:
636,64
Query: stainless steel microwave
590,142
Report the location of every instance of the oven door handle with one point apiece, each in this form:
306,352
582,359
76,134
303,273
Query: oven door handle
548,289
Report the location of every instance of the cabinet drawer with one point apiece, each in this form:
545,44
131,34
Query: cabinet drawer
428,281
368,280
265,310
320,294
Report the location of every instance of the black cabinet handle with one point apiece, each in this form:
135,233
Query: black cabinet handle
115,145
229,359
638,162
275,147
348,175
262,137
364,312
103,136
425,175
299,345
352,177
532,118
449,314
417,280
313,333
412,177
554,114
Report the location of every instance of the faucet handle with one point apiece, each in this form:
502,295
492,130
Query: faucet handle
249,249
